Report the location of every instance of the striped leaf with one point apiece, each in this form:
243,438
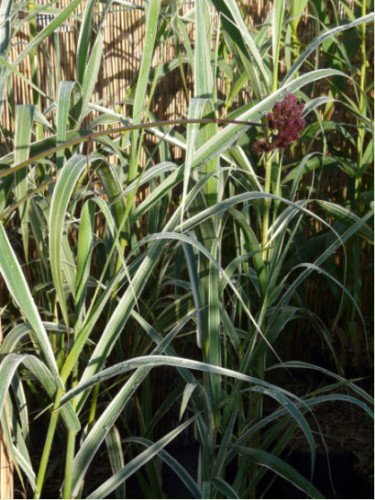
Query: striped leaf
152,17
22,139
66,182
18,287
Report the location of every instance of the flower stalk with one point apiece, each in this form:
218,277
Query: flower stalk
285,124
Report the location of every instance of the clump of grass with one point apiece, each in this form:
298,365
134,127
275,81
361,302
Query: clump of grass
199,275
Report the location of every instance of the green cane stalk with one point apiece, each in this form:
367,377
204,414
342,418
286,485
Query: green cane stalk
33,58
276,38
86,136
362,110
71,444
34,68
48,445
70,451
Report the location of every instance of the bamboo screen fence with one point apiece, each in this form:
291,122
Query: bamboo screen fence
123,40
124,29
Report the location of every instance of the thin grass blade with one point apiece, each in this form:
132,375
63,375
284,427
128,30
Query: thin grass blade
338,29
22,139
116,457
65,185
152,17
106,488
281,468
18,287
84,41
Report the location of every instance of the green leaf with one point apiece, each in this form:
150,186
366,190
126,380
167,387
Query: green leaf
8,367
65,185
21,461
224,488
113,189
15,337
136,463
281,468
191,261
47,31
22,139
91,319
84,40
5,9
203,81
151,361
152,17
18,287
254,247
298,6
63,107
348,218
238,36
309,366
327,34
5,30
101,428
277,22
177,468
116,457
91,73
84,255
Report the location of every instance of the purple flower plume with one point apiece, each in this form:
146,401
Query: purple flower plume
286,124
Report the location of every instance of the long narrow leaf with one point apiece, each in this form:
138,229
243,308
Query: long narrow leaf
63,107
65,185
281,468
152,17
24,122
84,40
106,488
8,367
327,34
18,287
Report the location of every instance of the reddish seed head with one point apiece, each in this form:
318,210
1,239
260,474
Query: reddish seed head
286,124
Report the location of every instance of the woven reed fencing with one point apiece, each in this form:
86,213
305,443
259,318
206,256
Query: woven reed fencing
123,41
124,30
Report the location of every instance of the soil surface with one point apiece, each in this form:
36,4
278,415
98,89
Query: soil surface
343,427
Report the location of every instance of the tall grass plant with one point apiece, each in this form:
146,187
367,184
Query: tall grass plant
116,266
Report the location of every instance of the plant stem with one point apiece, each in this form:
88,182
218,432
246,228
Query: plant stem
71,443
361,130
276,38
33,57
48,445
358,177
94,401
68,464
93,135
267,206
